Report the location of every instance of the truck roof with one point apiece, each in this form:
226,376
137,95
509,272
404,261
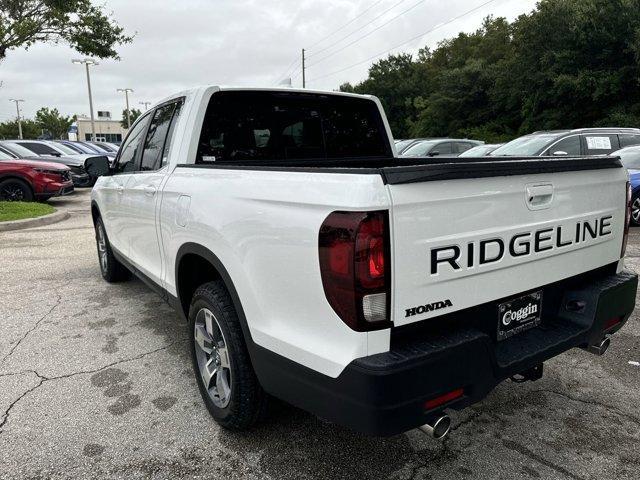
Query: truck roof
203,88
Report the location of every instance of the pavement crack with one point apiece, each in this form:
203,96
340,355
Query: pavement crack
567,396
35,326
43,379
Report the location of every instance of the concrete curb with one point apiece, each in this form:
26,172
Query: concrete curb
34,222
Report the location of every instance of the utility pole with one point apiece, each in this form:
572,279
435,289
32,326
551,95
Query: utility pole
18,100
86,62
304,78
126,96
146,105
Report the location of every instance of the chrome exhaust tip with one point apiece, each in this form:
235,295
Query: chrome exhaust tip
600,348
439,428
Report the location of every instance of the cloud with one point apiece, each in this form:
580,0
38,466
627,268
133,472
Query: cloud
180,44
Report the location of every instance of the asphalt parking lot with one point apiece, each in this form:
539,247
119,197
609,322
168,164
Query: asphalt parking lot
95,381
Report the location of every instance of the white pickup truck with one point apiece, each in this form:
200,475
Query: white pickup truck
375,292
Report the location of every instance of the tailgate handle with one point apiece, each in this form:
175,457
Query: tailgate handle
539,196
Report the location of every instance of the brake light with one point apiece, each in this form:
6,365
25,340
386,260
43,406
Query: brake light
627,220
354,264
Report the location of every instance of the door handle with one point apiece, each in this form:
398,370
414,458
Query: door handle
149,190
120,189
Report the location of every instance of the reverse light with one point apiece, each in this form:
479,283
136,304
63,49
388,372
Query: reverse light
354,257
627,220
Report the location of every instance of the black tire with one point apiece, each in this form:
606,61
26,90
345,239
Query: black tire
15,190
635,211
110,268
247,401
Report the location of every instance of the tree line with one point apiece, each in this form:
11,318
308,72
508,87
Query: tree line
567,64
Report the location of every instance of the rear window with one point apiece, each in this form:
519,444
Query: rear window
268,126
39,148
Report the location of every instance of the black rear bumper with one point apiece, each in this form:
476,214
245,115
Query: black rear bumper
385,394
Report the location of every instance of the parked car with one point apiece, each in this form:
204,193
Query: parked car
404,144
630,157
443,147
106,146
26,180
265,217
37,149
576,142
86,148
481,150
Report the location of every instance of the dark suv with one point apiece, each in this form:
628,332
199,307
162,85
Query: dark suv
580,141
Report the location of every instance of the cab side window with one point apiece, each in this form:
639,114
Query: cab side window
157,138
131,147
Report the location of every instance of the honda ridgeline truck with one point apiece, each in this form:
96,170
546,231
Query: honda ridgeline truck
315,266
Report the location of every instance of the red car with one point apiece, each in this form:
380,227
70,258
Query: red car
26,180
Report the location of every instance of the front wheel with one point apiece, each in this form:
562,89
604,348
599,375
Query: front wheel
635,211
225,376
15,190
110,268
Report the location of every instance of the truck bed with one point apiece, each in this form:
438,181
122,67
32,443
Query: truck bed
396,171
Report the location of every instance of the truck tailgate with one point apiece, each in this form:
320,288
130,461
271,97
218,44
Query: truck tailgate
462,242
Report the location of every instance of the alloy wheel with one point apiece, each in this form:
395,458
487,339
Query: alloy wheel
635,211
12,192
102,248
213,357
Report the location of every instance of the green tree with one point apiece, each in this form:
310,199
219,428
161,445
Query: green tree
566,64
83,26
134,113
9,129
51,122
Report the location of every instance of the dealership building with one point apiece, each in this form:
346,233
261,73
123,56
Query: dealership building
107,129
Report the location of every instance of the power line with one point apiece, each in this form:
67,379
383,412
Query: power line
367,34
405,42
358,29
287,70
346,24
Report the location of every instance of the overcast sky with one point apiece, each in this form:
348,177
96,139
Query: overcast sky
183,43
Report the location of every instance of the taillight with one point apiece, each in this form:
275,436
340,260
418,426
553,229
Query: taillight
354,263
627,221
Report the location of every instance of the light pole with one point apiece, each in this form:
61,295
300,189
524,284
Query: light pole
146,105
18,100
126,96
86,62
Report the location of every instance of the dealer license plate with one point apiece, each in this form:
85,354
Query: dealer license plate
519,314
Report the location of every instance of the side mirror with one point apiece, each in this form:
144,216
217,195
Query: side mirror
434,153
559,153
55,154
97,166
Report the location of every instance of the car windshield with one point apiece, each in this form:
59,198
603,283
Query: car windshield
525,146
479,151
402,144
19,150
630,158
419,149
64,149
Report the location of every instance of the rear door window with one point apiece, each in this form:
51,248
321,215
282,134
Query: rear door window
272,126
600,144
463,146
628,139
